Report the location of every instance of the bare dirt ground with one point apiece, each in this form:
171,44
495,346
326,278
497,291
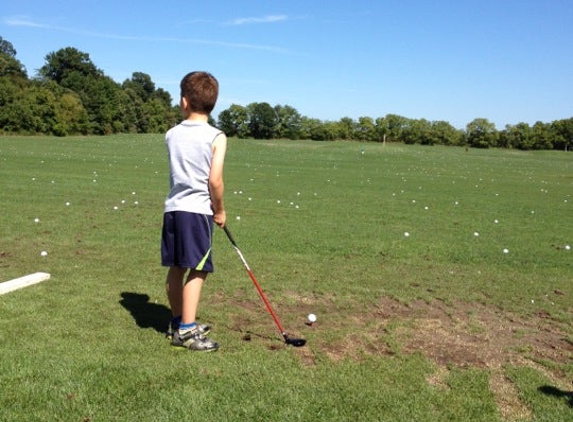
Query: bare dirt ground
461,335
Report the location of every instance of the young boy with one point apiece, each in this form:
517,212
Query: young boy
195,201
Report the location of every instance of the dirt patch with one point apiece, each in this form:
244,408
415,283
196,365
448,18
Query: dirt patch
460,335
476,335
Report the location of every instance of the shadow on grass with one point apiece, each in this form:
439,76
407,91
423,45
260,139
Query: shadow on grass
556,392
145,313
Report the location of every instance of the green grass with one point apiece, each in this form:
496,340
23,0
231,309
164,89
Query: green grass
86,345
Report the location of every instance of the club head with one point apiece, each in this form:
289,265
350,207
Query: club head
295,342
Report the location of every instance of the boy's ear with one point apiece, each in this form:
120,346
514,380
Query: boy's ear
183,103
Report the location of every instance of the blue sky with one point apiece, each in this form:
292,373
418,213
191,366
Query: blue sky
509,61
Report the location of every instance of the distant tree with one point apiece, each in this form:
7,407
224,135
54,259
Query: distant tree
323,131
542,135
7,48
563,134
149,109
66,65
518,136
287,124
481,133
164,96
381,129
444,133
9,65
417,132
234,121
141,84
365,129
309,126
346,127
261,120
395,125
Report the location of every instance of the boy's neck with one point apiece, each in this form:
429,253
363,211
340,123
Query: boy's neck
197,117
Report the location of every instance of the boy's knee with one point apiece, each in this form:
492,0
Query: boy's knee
177,272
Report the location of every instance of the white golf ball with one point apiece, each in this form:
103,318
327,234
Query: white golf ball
44,253
476,234
406,234
311,317
567,247
506,250
36,220
238,217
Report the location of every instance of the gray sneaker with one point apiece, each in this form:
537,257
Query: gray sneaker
203,329
193,340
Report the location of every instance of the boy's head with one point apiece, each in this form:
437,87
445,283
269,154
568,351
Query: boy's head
200,91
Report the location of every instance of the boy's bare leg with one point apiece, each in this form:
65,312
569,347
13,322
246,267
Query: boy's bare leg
174,288
191,295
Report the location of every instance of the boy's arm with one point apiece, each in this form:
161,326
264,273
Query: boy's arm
216,185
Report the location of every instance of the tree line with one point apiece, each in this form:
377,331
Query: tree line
69,95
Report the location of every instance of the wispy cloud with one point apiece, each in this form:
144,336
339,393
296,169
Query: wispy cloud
23,21
26,22
255,20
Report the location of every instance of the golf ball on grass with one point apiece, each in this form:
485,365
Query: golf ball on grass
43,253
311,318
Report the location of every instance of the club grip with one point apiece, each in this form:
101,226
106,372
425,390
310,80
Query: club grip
229,235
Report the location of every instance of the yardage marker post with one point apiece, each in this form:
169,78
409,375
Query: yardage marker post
18,283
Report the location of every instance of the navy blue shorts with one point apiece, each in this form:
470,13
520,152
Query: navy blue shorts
186,240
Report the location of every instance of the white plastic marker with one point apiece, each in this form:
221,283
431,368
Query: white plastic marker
18,283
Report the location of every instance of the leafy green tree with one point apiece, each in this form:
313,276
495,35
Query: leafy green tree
381,129
234,121
7,48
309,126
542,135
69,63
518,136
261,120
287,124
563,134
365,129
141,84
395,125
417,132
481,133
9,65
443,133
346,127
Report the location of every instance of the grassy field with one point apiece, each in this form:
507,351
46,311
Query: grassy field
441,279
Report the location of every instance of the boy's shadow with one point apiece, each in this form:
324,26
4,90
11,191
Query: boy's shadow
145,313
556,392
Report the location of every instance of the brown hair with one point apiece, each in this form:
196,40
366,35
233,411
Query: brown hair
201,90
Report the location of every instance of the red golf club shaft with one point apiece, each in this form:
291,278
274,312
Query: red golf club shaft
267,303
256,283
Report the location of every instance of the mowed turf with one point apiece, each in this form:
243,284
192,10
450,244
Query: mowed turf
441,279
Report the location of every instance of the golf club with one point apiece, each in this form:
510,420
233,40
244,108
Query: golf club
296,342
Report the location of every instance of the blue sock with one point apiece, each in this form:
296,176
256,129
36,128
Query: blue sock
184,328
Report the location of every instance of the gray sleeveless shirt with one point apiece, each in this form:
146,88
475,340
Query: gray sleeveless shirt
190,150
